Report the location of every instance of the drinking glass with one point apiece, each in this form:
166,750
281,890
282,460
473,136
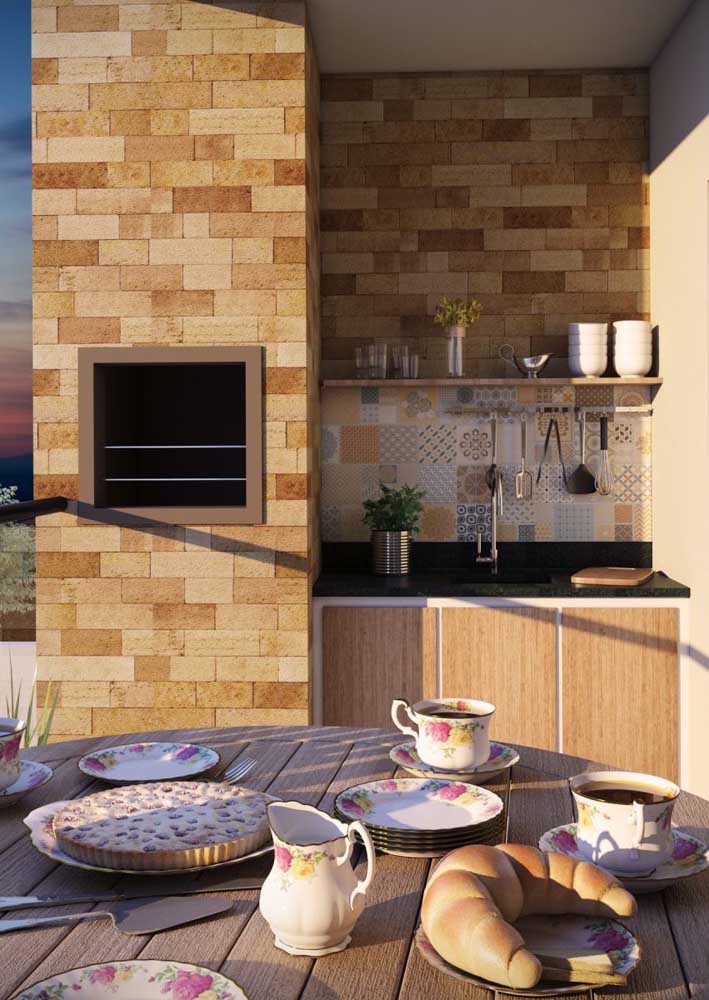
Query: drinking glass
410,366
380,361
361,362
398,353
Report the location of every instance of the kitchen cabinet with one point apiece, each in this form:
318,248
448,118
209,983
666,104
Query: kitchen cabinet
620,699
505,655
370,656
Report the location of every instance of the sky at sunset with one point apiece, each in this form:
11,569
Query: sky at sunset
15,232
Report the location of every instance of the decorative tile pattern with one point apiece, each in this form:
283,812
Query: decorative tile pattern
429,443
470,519
398,444
437,444
474,444
439,482
359,444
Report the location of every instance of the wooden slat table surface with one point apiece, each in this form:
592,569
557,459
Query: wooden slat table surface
313,765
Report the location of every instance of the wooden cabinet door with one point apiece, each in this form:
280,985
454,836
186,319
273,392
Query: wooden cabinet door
371,656
505,655
621,687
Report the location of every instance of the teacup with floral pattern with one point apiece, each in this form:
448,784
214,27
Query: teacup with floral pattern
451,733
632,837
11,731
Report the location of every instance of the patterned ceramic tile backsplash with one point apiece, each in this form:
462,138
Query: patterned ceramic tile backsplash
424,437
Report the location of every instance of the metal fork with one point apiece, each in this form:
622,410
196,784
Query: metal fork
234,774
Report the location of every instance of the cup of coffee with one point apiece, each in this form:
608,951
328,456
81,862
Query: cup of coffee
451,733
11,731
624,819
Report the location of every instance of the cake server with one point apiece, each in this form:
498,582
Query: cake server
148,891
133,916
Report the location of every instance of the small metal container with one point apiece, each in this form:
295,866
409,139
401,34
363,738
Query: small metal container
390,552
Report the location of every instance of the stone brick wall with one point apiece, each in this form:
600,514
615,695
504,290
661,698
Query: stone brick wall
527,190
170,208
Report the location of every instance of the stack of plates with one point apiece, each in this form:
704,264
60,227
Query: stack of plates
423,817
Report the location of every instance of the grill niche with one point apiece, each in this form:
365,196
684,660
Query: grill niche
173,433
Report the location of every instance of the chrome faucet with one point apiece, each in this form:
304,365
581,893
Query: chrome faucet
494,482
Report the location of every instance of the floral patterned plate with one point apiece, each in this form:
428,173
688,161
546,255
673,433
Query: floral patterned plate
574,931
137,980
501,758
41,824
419,805
32,775
148,762
689,857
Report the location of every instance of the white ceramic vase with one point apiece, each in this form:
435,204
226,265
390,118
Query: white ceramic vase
311,899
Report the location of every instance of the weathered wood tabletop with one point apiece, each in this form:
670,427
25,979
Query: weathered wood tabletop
313,765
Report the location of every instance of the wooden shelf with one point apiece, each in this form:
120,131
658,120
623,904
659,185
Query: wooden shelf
353,383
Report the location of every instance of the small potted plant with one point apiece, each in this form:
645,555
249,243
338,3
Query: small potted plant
455,316
393,519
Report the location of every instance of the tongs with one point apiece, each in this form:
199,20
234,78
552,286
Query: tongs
555,424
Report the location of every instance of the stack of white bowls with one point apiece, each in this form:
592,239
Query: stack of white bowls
632,348
588,349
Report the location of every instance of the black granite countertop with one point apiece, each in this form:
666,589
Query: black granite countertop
525,570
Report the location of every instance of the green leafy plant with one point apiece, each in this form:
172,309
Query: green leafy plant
38,728
457,312
394,510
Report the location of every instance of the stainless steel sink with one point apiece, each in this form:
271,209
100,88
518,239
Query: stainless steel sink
474,577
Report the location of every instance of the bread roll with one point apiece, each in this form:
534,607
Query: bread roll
477,892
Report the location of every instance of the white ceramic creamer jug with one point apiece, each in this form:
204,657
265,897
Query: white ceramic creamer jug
311,899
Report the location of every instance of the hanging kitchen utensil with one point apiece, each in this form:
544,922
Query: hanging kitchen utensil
553,425
581,479
523,479
604,479
491,475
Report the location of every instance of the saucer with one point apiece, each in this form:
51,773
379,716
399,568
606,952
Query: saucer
689,857
501,758
32,775
575,931
137,762
149,980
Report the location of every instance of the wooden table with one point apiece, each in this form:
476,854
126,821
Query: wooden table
313,765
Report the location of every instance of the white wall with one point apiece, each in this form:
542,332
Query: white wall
679,268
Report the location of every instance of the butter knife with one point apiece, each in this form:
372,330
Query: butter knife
188,889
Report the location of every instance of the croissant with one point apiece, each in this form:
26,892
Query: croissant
477,892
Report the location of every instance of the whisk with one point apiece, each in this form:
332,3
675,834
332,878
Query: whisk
604,477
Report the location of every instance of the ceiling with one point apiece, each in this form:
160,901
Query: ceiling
378,36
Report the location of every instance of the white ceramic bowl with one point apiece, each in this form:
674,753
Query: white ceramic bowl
627,326
631,354
585,341
628,369
591,369
588,355
588,329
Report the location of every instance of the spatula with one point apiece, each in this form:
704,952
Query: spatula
581,479
134,916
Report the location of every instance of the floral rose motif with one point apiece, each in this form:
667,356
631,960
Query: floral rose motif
406,756
564,841
388,786
106,974
137,748
303,867
353,807
190,985
187,752
11,748
460,736
438,731
495,751
609,939
96,763
450,791
682,849
283,858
